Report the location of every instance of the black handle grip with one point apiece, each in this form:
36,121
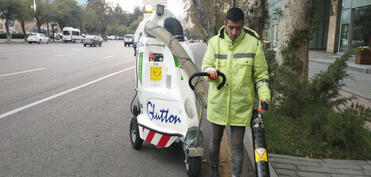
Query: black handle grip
199,74
264,106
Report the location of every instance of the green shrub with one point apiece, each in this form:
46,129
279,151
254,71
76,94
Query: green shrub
14,36
311,118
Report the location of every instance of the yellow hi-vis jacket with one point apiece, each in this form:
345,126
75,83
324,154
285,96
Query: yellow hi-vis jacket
244,65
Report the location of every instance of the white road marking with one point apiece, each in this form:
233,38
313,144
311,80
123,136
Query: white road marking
68,54
21,72
15,53
61,93
110,56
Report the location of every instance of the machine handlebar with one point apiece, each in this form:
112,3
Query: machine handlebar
199,74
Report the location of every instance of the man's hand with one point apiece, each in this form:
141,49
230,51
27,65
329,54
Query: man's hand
212,72
263,106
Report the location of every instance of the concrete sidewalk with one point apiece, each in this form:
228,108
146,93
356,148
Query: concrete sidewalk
360,82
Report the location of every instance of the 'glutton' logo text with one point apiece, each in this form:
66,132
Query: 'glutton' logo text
162,116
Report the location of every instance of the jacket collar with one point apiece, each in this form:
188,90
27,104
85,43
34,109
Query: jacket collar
223,34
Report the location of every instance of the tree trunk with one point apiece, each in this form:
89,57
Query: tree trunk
47,25
293,35
207,27
38,24
8,36
24,31
257,15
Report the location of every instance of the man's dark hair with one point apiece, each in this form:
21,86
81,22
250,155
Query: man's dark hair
235,14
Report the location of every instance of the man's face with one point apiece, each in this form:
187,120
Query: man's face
233,28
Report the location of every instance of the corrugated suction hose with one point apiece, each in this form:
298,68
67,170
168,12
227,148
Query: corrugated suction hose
184,60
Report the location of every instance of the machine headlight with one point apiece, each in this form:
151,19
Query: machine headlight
188,107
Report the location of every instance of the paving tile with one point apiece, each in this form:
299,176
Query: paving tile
293,158
367,172
366,167
286,172
315,169
295,162
310,174
348,172
283,166
345,162
335,175
341,166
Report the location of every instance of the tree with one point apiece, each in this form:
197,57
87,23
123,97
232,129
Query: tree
294,32
98,9
42,13
256,14
9,10
67,13
24,14
208,15
135,16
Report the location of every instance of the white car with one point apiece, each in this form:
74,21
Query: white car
37,38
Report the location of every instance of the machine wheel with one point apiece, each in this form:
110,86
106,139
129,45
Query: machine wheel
174,27
193,166
136,142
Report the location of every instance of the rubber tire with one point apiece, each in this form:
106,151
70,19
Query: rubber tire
135,140
193,166
175,28
30,42
84,45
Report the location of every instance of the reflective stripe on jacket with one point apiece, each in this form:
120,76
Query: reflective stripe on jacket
243,63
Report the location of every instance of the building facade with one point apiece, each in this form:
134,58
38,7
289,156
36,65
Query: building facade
341,24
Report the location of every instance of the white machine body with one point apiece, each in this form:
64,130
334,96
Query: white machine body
167,104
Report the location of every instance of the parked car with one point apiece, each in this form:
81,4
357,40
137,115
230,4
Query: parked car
37,38
128,39
92,41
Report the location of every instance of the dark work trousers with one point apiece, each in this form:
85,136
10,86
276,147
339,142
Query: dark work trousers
237,134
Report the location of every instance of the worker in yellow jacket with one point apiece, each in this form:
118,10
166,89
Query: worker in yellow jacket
238,53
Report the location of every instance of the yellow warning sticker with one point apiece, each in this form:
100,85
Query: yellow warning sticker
155,73
261,155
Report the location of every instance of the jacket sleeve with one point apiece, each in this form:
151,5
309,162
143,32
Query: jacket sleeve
209,58
260,71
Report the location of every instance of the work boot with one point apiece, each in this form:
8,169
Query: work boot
214,171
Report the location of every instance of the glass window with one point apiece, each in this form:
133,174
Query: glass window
75,33
347,3
361,25
345,19
66,33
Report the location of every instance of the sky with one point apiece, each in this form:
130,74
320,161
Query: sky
128,5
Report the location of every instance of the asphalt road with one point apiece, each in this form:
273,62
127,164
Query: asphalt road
64,111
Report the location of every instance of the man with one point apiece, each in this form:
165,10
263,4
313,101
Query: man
238,53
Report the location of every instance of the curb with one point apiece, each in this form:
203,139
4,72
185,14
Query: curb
362,69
